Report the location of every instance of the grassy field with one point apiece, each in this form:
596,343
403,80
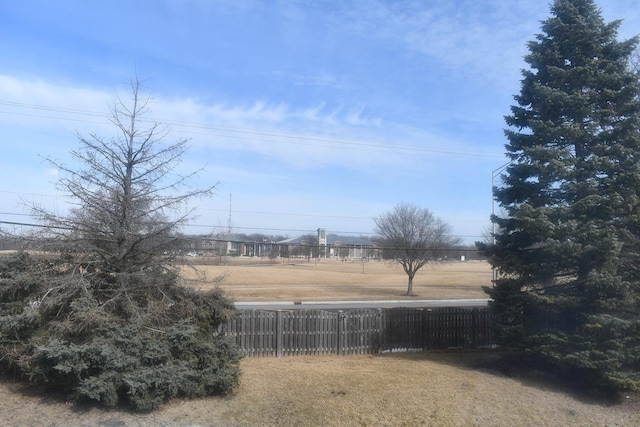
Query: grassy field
249,279
406,389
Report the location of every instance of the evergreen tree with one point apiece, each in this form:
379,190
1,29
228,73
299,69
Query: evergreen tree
101,311
569,247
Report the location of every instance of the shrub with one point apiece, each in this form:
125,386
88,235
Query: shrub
137,340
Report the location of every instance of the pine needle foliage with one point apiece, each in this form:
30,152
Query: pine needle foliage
569,247
100,312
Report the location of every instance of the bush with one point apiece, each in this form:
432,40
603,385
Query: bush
137,339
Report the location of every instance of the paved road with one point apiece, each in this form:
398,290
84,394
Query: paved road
346,305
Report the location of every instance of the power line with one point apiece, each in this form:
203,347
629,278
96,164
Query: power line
258,229
240,132
15,214
57,227
56,109
226,211
287,214
384,248
342,232
50,117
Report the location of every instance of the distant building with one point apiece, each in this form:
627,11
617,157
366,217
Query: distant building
319,245
325,245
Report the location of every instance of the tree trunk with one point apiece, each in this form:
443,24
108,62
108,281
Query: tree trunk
410,287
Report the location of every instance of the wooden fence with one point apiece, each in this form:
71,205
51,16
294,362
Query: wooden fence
261,333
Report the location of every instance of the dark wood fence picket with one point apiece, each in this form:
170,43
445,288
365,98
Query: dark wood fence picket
263,333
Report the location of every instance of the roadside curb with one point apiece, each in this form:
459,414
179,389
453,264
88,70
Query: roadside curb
239,304
382,302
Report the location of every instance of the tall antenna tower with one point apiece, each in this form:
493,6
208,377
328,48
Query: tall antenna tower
229,231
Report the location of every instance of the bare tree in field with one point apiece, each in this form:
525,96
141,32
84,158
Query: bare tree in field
414,236
309,246
128,198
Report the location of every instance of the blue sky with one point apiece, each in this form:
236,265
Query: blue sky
307,114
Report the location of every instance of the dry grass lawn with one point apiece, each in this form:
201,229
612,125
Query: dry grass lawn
417,389
411,389
250,279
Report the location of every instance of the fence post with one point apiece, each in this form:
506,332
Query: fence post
381,332
341,331
279,324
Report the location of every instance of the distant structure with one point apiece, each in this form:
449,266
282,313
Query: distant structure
322,236
328,245
321,245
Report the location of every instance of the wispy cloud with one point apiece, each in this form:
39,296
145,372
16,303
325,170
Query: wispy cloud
314,136
487,37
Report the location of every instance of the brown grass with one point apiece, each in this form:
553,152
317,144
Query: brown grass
438,389
250,280
408,389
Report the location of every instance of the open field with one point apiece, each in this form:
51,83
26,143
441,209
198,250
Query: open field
405,389
250,279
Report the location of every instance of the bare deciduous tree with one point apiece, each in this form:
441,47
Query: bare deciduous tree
309,246
414,236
